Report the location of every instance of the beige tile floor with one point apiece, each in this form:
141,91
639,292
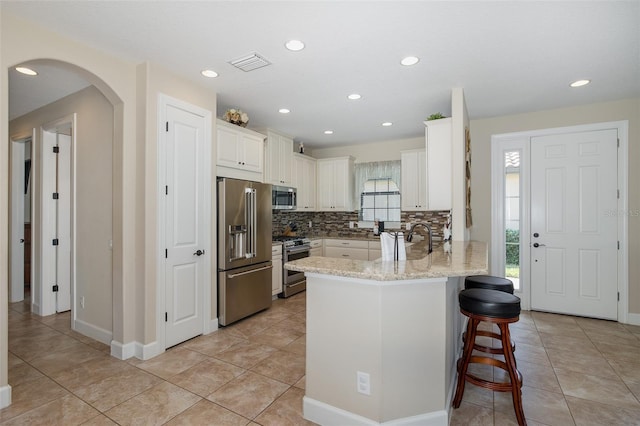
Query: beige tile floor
576,371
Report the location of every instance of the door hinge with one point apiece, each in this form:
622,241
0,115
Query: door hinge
55,242
618,296
618,142
167,126
166,190
618,194
56,149
56,195
618,245
55,287
166,317
166,253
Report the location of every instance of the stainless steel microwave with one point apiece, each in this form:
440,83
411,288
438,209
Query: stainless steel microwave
283,198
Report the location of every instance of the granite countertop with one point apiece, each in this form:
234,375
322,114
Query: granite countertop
460,259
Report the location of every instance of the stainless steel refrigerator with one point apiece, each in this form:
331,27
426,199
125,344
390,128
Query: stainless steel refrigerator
244,249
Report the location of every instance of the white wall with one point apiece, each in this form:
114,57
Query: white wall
481,131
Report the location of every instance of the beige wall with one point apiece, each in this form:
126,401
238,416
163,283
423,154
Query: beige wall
482,130
369,152
153,80
23,42
94,145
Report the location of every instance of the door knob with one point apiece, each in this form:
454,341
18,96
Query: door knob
199,253
538,245
22,240
536,235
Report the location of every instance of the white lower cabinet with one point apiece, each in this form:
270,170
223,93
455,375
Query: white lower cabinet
316,248
276,272
375,250
346,249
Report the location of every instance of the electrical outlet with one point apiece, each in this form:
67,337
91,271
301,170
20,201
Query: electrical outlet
363,383
407,226
310,224
351,224
82,302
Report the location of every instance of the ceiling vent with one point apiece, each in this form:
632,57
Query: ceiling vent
250,62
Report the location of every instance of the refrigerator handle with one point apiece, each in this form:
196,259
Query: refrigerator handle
250,209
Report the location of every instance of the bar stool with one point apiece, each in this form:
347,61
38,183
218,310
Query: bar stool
498,308
489,282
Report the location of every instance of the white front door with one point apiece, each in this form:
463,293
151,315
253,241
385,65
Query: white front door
186,225
574,228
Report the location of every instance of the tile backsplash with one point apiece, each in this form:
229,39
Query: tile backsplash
336,224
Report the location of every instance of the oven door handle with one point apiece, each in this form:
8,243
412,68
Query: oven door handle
300,249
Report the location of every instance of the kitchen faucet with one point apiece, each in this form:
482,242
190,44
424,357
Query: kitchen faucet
413,227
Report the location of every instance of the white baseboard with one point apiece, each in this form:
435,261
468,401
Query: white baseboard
211,326
35,309
93,331
123,351
325,414
633,319
5,396
148,351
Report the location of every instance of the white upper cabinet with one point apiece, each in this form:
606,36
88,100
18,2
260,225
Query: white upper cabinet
335,184
240,152
279,154
303,176
414,179
439,169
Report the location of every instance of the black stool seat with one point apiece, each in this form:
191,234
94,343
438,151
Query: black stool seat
489,282
489,303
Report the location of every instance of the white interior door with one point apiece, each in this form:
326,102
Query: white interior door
187,230
63,224
56,245
16,293
574,241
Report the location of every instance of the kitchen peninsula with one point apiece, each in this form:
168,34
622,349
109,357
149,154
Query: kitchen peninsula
383,336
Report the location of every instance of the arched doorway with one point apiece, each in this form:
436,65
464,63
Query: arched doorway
77,262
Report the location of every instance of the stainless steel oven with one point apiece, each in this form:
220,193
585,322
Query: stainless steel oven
293,248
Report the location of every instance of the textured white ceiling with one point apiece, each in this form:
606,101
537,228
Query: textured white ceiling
508,56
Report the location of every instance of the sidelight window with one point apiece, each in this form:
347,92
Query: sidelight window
512,216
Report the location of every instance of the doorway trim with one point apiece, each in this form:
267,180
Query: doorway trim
17,212
208,326
522,140
47,298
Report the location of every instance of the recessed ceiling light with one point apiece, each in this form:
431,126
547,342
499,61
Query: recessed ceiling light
328,132
387,124
579,83
354,96
25,70
294,45
209,73
410,60
284,111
